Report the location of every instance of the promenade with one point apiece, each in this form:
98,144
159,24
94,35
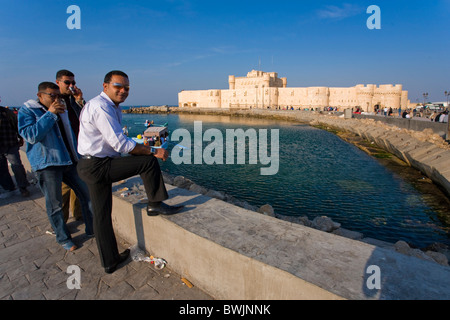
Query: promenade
34,267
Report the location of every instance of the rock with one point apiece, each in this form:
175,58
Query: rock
402,247
438,257
267,210
168,178
248,206
324,223
182,182
216,194
348,234
235,202
420,254
198,189
303,220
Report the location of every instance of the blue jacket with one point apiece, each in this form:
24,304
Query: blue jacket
45,145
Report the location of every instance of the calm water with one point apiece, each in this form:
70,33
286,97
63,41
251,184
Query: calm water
319,174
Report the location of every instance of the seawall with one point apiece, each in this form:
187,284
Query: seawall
234,253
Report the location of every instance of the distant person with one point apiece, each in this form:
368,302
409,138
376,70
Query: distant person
405,114
433,116
51,151
125,130
10,142
444,117
157,141
101,142
73,98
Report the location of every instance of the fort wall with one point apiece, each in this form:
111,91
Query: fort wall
264,90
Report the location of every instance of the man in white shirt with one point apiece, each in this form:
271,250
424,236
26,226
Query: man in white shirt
101,142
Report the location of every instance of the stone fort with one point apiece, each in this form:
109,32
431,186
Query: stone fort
265,90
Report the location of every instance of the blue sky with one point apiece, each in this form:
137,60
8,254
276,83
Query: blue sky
166,46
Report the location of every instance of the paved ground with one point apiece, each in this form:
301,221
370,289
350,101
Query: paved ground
34,266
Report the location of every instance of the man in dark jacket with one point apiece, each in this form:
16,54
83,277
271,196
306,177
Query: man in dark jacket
10,142
73,97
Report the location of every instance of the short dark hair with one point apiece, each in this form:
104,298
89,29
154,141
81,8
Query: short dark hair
47,85
114,73
62,73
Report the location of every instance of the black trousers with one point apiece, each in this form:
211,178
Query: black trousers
99,174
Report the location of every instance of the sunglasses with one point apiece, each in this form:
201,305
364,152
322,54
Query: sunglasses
69,82
53,96
120,86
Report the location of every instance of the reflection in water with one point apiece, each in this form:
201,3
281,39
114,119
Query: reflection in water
319,174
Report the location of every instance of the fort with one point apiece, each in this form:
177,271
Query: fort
264,90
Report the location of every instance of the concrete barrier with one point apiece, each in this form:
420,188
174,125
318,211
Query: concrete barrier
409,124
233,253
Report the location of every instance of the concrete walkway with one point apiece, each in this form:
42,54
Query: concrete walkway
33,266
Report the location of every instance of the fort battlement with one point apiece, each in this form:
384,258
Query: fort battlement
264,90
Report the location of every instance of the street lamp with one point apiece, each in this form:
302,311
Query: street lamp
447,93
448,116
425,97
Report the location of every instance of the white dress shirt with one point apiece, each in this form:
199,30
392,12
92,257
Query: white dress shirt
101,132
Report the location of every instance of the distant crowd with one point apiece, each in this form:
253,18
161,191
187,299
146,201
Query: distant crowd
436,116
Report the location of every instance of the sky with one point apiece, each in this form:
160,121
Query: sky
167,46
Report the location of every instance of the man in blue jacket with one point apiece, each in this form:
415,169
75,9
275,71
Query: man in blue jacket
52,153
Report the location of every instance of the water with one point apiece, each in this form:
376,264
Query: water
319,174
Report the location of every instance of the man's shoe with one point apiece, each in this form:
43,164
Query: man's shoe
69,246
163,209
122,257
24,192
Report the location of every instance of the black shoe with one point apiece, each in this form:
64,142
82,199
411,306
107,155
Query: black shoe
163,209
24,192
122,257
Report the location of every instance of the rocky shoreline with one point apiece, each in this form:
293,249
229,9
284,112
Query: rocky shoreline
424,151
